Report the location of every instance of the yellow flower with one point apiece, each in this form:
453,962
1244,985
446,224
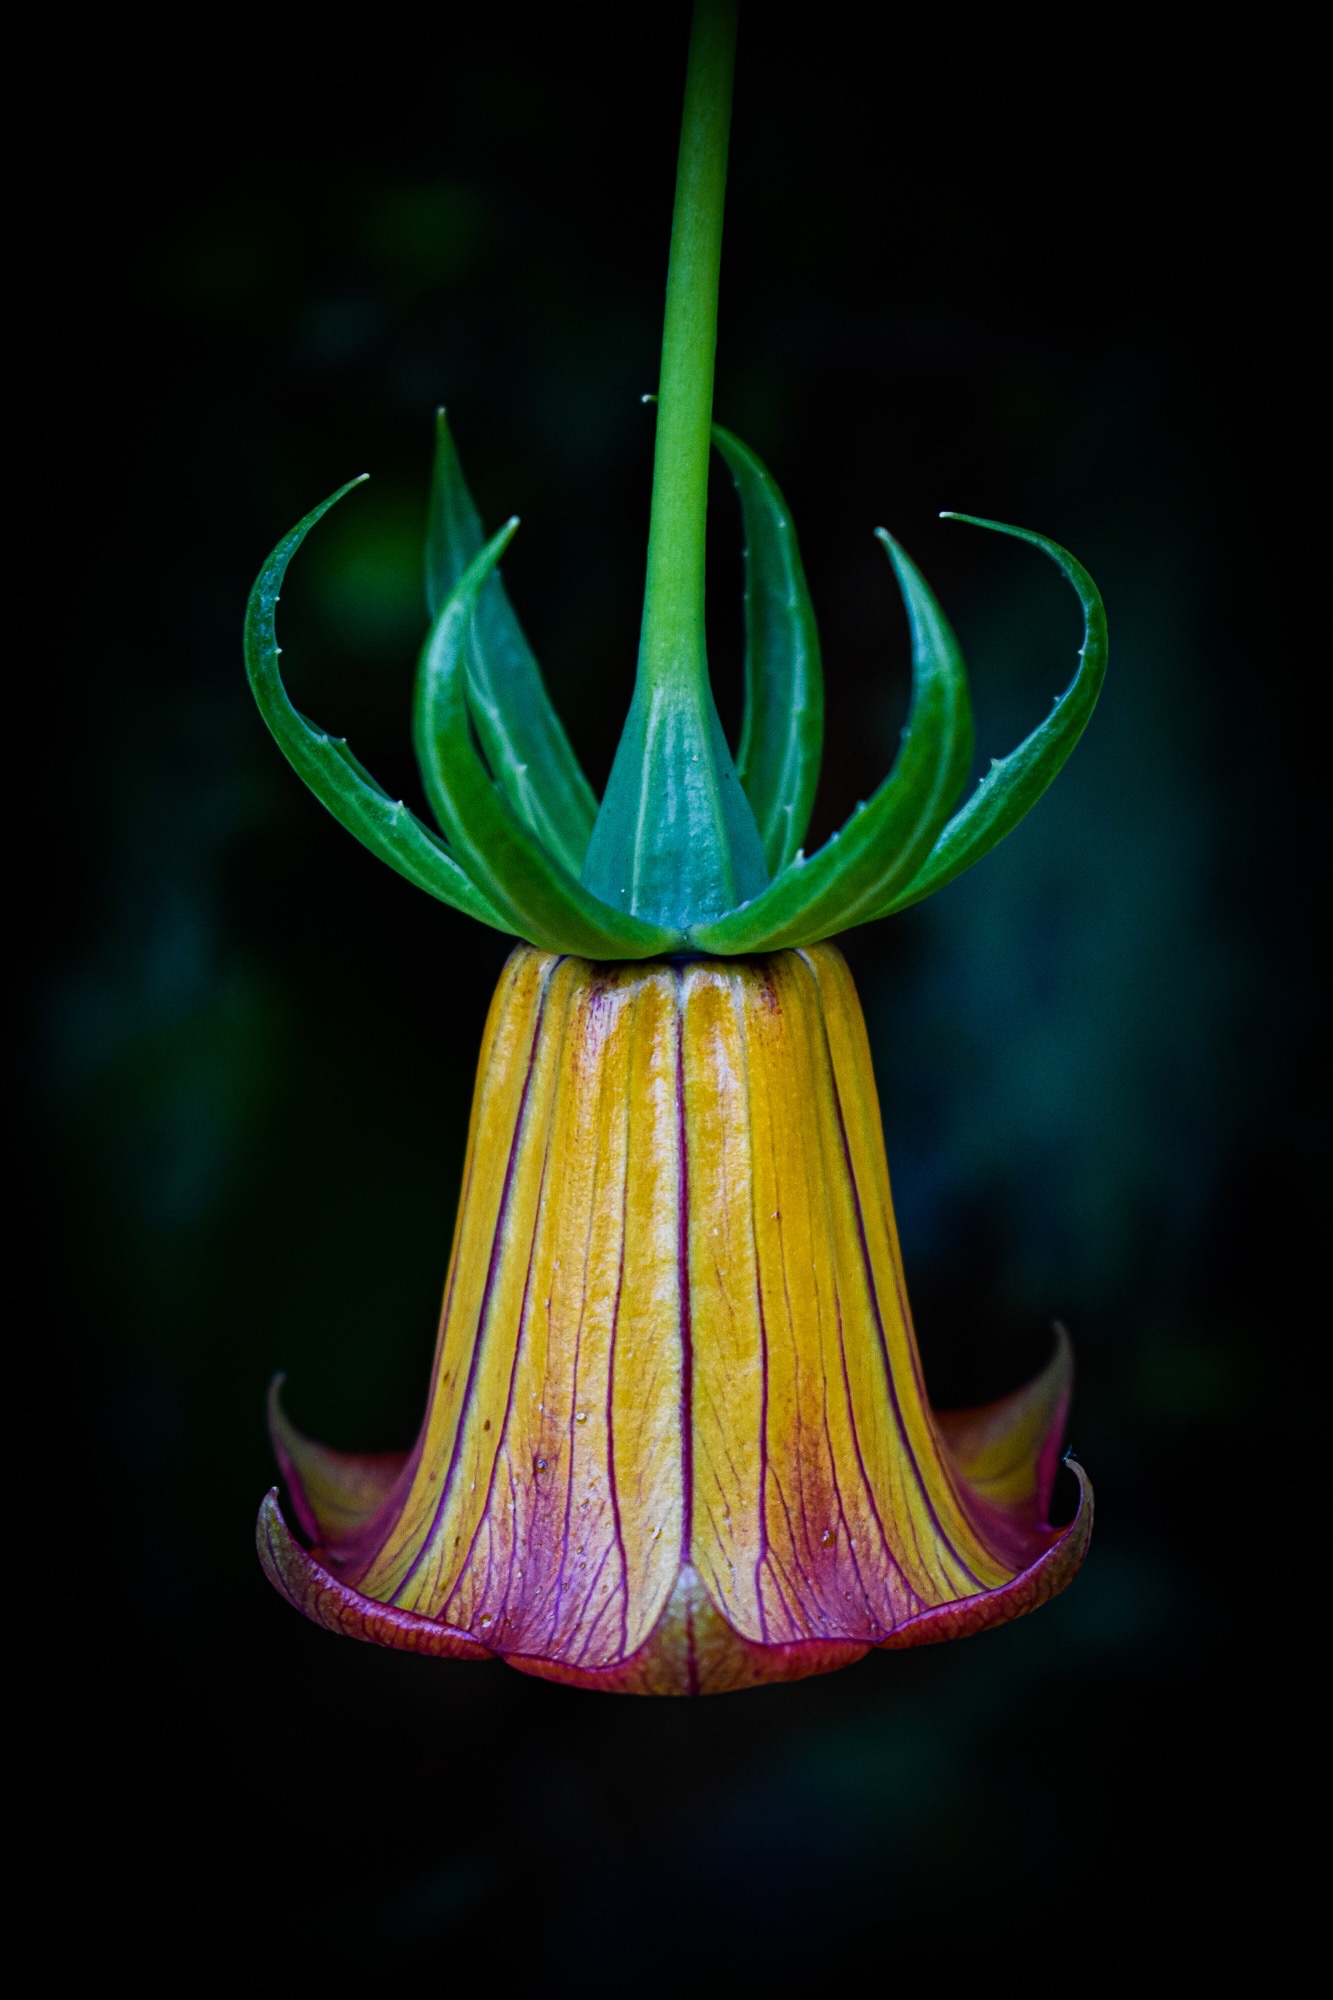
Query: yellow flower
677,1438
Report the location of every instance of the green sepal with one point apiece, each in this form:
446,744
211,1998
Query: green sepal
782,733
1014,783
385,825
675,839
538,898
884,842
521,735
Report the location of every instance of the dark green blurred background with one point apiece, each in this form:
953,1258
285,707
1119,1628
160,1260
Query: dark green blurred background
1001,279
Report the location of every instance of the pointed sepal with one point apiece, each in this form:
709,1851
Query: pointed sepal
1014,783
537,896
385,825
884,842
675,840
782,731
522,737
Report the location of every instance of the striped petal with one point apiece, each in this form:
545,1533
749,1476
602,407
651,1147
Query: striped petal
677,1437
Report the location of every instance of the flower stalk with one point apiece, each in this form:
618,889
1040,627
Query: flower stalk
676,840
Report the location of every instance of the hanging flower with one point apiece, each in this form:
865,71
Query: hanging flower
677,1438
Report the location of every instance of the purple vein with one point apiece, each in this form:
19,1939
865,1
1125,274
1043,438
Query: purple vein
683,1282
585,1645
613,1485
761,1556
491,1269
594,1010
868,1270
519,1344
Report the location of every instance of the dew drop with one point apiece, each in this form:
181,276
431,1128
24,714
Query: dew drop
580,1416
486,1426
539,1465
827,1537
485,1620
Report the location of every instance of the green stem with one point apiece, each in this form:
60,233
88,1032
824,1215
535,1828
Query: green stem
672,650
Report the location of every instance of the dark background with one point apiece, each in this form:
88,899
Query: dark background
1049,283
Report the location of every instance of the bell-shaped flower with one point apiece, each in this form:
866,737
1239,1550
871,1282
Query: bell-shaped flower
677,1438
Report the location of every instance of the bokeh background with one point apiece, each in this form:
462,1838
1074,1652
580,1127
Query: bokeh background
1002,278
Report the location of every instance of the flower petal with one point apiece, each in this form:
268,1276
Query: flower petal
677,1437
314,1591
825,1502
333,1492
1007,1453
545,1502
1027,1591
692,1650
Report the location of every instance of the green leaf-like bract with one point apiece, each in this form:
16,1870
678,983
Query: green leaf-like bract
1014,783
782,734
538,896
386,826
517,812
884,842
522,736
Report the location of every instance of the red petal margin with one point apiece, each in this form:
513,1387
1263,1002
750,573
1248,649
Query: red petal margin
1030,1589
307,1585
692,1650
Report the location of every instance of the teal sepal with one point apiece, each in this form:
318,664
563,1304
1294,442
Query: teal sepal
538,897
521,735
675,841
883,843
386,826
782,734
1014,783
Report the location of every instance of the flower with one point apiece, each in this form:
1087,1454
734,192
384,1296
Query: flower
677,1439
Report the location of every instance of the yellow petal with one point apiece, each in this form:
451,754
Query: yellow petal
677,1434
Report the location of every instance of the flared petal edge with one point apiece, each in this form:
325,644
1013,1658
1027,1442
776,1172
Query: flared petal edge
303,1580
1028,1591
692,1649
